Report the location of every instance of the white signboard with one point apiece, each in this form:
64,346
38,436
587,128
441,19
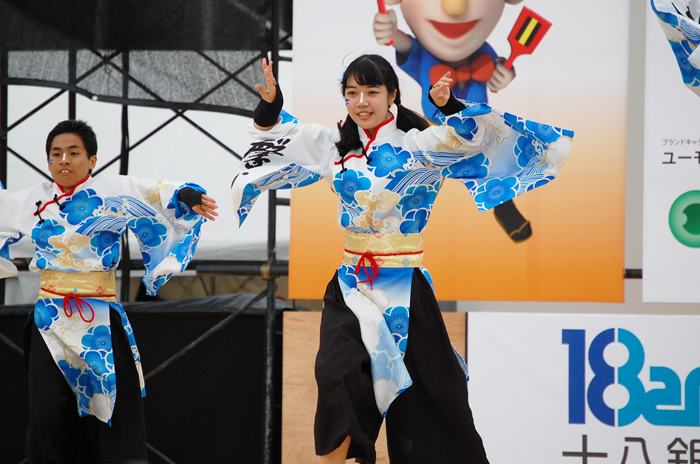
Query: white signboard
671,165
586,389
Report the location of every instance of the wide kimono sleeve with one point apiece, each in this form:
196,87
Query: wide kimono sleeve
497,155
167,230
10,207
683,34
289,155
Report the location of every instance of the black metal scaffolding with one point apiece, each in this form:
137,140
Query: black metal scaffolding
104,45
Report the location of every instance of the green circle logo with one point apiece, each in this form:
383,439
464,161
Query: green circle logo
684,219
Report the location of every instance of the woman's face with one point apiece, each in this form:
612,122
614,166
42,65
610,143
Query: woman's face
368,105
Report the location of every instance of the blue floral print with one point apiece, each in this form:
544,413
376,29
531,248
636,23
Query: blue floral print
465,128
98,338
183,251
470,168
347,275
81,206
543,132
349,182
397,320
149,231
540,183
418,197
415,222
43,232
69,372
386,159
45,313
109,382
526,150
97,365
104,240
496,191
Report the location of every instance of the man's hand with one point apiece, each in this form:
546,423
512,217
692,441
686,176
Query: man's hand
501,77
440,91
207,208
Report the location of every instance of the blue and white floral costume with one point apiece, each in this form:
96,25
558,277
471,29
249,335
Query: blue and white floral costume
77,239
392,191
683,34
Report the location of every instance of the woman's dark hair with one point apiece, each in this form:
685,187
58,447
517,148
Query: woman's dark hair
374,70
79,128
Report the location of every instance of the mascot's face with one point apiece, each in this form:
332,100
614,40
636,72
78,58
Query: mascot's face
451,30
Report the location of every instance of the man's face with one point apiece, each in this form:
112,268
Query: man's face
451,30
68,161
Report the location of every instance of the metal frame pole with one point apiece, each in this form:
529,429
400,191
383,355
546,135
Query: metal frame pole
124,170
268,419
3,139
72,78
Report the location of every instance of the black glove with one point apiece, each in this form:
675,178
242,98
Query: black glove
452,106
190,196
266,114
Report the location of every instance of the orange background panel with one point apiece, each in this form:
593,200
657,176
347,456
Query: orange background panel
576,252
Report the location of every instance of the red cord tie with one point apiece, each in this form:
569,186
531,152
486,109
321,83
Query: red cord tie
71,299
373,271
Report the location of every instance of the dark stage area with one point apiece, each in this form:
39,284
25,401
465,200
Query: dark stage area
205,406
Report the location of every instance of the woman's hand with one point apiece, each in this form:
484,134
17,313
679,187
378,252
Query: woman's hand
207,208
270,93
440,91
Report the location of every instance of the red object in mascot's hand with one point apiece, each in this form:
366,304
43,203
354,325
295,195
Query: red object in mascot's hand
382,10
526,34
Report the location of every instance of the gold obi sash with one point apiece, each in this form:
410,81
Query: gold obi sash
75,287
372,251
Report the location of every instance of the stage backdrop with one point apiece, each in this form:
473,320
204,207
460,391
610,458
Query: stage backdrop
671,170
596,389
576,79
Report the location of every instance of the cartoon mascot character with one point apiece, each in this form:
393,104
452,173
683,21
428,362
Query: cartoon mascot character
450,35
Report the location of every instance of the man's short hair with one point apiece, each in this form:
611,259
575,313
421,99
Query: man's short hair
79,128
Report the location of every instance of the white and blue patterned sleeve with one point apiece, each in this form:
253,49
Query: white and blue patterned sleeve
497,155
166,229
289,155
9,234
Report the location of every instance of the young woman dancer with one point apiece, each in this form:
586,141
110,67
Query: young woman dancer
384,350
